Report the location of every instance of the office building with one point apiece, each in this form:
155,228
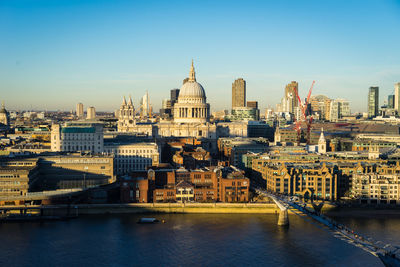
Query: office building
174,96
131,156
26,174
145,106
79,110
245,114
339,108
390,103
239,93
321,105
77,136
373,102
397,97
289,102
91,113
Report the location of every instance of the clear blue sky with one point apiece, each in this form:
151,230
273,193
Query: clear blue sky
54,54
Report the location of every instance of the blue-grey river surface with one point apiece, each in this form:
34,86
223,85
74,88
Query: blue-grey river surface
187,240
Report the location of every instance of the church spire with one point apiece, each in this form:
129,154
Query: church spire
130,100
124,101
322,137
192,74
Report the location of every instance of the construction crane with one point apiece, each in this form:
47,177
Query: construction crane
303,116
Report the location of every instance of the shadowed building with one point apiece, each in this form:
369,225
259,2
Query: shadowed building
373,102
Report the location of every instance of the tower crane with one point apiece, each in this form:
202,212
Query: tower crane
303,116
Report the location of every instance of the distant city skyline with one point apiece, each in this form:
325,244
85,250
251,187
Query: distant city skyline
56,54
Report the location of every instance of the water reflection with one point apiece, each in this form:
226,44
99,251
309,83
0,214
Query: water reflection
191,239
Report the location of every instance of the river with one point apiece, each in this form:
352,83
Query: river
187,239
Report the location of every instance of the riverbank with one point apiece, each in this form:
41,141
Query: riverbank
227,208
83,209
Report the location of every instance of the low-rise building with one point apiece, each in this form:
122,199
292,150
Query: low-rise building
378,186
17,177
58,172
131,156
232,149
307,180
213,184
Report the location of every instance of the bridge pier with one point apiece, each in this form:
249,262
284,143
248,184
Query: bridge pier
283,219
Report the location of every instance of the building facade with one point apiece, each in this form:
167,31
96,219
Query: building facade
129,157
238,93
126,116
397,97
339,108
77,136
91,113
79,110
379,187
4,116
373,102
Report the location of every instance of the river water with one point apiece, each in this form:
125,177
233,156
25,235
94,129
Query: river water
187,239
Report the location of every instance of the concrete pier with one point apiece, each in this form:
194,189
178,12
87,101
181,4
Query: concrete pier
283,219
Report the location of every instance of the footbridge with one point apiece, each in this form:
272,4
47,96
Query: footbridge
387,253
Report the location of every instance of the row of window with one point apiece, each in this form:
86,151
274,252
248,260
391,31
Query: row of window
10,182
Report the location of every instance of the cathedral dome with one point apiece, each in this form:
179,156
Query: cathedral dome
192,89
191,106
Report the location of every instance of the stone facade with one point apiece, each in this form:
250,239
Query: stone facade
130,157
239,93
191,106
77,136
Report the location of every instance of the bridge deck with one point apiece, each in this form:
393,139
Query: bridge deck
386,252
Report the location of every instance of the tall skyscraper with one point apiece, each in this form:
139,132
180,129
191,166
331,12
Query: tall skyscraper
145,105
79,110
373,101
91,113
289,101
174,96
390,103
239,93
397,97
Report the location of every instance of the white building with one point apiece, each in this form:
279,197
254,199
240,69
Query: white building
339,108
322,143
376,188
91,113
145,106
79,110
77,136
130,157
126,116
397,97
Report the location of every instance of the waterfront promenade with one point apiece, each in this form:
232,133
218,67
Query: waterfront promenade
82,209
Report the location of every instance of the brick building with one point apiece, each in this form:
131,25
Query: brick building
212,184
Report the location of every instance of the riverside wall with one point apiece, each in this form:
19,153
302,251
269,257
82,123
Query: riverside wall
142,208
138,208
